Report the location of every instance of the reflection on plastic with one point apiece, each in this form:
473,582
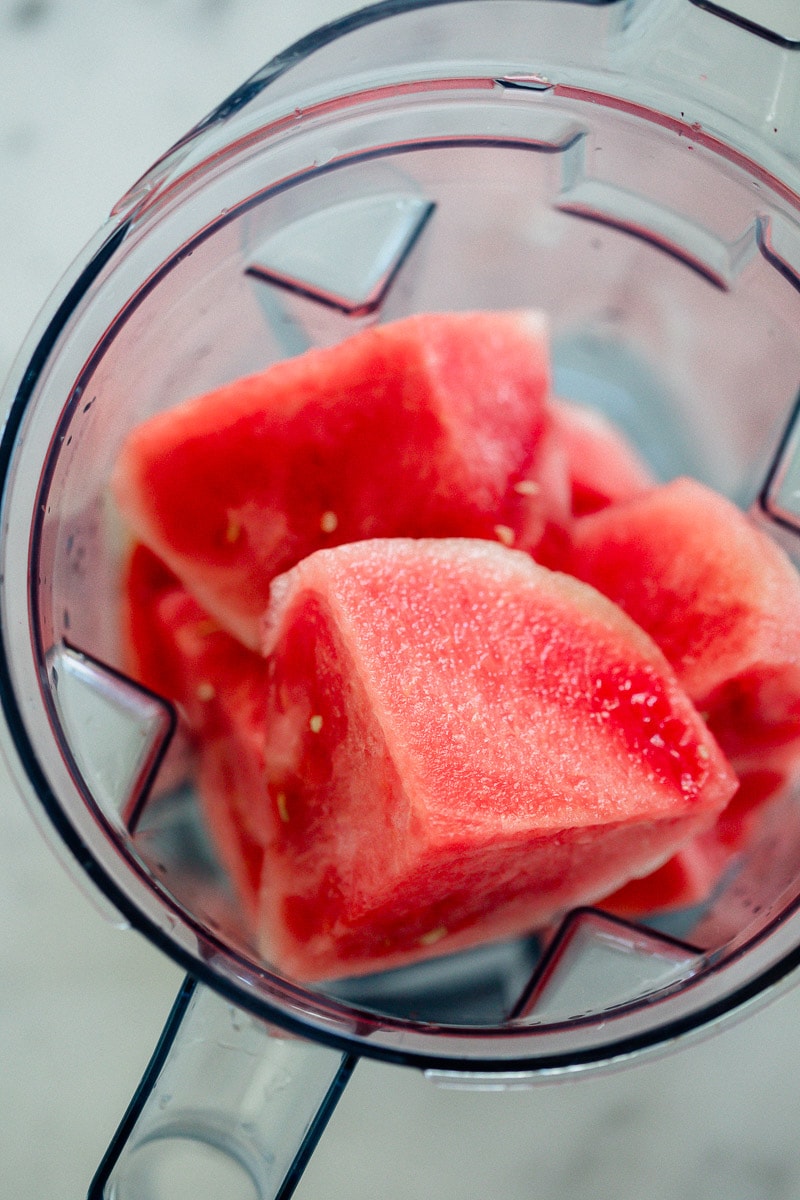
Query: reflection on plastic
345,255
116,731
599,962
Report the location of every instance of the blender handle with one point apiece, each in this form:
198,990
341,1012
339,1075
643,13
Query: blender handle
227,1107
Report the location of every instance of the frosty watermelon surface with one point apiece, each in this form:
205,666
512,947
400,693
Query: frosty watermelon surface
382,784
717,595
690,876
461,745
431,426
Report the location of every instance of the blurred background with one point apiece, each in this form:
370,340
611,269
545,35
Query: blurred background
90,94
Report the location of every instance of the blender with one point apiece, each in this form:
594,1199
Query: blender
602,161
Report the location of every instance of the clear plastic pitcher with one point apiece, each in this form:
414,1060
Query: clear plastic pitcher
632,167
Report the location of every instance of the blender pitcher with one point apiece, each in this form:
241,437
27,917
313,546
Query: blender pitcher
632,168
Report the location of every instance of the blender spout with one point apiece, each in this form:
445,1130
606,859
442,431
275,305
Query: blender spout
227,1107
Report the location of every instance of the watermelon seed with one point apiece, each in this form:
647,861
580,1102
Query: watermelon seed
315,723
283,808
527,487
504,534
205,691
206,627
702,752
328,522
432,936
233,532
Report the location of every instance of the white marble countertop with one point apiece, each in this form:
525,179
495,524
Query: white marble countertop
90,93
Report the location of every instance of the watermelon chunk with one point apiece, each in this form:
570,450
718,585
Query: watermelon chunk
175,649
431,426
723,603
690,876
597,466
603,467
460,745
716,594
686,879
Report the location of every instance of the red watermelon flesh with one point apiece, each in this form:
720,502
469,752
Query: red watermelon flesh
603,467
686,879
596,465
147,645
461,745
149,654
717,595
691,875
430,426
723,602
175,649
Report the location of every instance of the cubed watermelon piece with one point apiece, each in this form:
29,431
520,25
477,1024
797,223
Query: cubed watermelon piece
691,875
430,426
147,646
602,465
719,597
460,745
686,879
175,649
598,466
723,603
